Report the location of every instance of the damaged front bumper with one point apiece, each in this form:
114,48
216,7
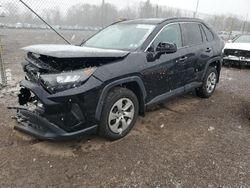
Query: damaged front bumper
46,116
39,127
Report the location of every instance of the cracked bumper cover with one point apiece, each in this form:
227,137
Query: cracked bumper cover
66,115
39,127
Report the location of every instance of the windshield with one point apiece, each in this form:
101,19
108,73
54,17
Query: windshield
242,39
121,36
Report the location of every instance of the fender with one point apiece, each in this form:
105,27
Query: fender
109,86
217,58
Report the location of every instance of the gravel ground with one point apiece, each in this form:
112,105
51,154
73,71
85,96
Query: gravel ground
186,142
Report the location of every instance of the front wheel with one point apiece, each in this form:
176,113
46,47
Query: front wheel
119,113
209,83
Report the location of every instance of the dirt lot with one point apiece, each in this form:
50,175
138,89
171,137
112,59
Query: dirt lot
186,142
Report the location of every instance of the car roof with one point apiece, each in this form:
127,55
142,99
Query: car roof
156,21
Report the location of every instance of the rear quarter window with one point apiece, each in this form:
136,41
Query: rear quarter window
208,33
192,34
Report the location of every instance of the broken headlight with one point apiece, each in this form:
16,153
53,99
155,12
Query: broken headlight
66,80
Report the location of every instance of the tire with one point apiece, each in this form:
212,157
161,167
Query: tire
209,83
119,114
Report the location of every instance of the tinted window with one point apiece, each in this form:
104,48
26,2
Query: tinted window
192,34
204,37
209,34
171,34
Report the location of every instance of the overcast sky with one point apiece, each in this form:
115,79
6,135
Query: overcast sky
236,7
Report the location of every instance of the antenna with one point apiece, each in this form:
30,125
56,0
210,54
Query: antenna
45,22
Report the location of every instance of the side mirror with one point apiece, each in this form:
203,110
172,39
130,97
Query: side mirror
165,47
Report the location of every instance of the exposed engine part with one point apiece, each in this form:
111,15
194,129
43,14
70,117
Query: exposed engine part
24,96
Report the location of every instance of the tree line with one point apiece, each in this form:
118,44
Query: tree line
85,14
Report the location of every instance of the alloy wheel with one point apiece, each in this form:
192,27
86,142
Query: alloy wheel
211,82
121,115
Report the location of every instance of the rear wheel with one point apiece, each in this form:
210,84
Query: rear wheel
209,83
119,113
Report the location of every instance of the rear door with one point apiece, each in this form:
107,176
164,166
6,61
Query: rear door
206,51
192,39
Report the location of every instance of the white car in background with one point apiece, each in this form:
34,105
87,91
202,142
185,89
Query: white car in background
237,51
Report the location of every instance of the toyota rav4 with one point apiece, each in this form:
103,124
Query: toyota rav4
102,85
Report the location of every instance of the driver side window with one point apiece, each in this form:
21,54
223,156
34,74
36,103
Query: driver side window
170,34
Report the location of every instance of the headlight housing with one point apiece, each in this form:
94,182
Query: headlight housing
66,80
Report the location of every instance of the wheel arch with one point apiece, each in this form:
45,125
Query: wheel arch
214,62
133,83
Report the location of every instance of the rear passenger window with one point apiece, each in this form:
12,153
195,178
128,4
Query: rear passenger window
192,34
209,34
204,37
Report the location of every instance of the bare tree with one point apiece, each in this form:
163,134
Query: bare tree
88,15
147,10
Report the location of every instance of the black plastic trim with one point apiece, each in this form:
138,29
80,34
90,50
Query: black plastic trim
39,127
218,58
107,88
174,93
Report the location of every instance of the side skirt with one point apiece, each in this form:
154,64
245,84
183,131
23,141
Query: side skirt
174,93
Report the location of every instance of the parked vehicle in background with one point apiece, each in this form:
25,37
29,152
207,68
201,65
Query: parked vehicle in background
104,84
237,51
224,35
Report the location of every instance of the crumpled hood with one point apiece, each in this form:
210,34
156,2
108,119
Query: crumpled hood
71,51
238,46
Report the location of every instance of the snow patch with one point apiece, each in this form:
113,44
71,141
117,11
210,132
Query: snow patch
210,129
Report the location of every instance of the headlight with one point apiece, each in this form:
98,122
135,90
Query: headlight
66,80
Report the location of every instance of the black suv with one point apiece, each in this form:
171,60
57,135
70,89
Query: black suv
103,84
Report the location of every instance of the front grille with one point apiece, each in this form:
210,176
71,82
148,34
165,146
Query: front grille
237,53
32,73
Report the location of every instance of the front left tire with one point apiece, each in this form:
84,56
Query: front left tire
120,111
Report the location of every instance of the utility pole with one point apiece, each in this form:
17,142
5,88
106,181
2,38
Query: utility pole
103,4
231,30
196,10
244,25
157,11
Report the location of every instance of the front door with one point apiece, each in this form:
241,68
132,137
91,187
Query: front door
164,72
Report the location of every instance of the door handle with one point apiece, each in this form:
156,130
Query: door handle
208,50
